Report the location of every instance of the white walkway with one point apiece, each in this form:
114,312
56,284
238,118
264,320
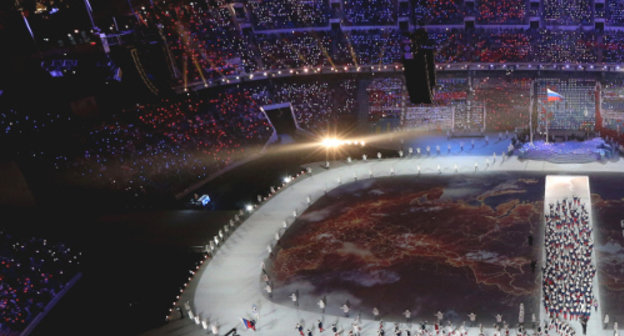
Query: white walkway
557,189
225,289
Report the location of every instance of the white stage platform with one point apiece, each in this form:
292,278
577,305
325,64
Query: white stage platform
225,288
559,187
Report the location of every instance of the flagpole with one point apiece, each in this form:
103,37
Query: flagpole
556,97
531,115
547,125
545,109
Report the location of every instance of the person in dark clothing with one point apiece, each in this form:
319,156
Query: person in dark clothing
584,324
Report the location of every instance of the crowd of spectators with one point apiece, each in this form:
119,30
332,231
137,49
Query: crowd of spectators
192,137
376,46
319,104
344,52
523,45
438,12
32,272
500,46
501,11
451,89
297,49
564,46
166,146
612,103
507,101
291,14
204,39
386,97
611,47
450,45
571,12
280,14
569,271
371,12
207,41
614,12
518,45
15,122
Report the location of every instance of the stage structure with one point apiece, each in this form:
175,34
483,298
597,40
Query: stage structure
386,98
612,107
454,111
282,119
571,109
469,118
428,118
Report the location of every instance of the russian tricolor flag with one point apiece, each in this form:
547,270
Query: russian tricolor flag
248,324
553,96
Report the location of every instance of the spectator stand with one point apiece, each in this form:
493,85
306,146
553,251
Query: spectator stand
34,275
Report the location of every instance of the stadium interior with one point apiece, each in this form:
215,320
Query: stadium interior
222,167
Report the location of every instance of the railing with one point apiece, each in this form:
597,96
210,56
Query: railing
397,67
213,245
33,324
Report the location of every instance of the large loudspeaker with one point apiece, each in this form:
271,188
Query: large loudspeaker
430,55
417,79
419,67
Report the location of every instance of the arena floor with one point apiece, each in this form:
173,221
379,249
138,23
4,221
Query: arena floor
458,244
226,288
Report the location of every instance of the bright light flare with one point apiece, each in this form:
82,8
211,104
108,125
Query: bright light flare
331,142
